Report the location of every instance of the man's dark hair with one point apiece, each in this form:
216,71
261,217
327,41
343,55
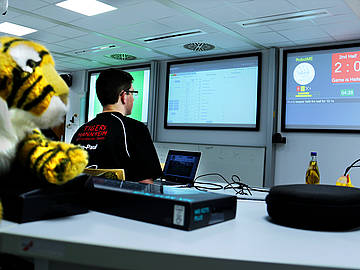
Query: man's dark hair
110,83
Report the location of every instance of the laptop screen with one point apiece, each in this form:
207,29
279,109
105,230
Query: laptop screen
181,166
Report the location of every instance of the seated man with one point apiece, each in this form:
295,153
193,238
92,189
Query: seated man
113,140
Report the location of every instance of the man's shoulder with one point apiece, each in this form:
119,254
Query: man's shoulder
134,122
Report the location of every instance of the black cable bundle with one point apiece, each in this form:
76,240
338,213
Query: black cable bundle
236,184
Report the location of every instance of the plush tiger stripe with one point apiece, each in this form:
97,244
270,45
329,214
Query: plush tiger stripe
13,40
57,162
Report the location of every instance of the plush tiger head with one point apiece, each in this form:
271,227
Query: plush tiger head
29,83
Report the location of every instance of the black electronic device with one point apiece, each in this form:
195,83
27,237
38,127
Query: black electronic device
30,200
180,168
181,208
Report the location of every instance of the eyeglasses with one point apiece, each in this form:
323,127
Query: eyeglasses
134,93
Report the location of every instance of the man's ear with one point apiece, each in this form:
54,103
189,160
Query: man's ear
123,97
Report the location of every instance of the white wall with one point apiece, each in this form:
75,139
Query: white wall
335,153
245,162
77,96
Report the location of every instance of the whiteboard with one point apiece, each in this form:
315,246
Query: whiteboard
245,162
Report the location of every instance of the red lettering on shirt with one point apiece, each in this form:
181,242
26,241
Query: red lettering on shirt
93,133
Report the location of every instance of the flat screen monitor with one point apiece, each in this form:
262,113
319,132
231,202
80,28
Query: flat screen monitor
214,93
321,89
141,83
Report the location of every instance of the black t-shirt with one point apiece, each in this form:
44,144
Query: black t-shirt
114,141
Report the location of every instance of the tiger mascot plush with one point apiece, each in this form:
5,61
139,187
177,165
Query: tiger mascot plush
33,96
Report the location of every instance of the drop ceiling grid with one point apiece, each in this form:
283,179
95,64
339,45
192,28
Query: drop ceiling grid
66,31
135,19
92,40
222,13
316,4
305,33
30,21
57,13
28,4
261,8
148,29
183,22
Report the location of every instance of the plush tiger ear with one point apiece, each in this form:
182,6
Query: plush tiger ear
28,78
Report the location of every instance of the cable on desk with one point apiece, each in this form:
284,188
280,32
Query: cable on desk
214,185
260,189
236,184
240,188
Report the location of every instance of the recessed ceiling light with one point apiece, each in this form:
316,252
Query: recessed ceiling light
181,34
96,49
15,29
86,7
281,18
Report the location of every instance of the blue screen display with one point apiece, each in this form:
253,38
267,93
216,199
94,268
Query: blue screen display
321,89
221,92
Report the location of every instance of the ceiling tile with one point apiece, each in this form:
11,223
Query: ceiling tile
311,4
93,40
44,36
267,38
345,28
52,1
32,22
291,25
109,20
9,15
28,5
336,19
182,22
349,37
314,41
72,43
260,8
55,48
240,49
248,30
66,31
304,33
154,10
122,3
223,13
150,28
58,13
122,33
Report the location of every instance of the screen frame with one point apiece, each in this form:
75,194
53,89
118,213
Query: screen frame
285,53
215,58
178,178
125,68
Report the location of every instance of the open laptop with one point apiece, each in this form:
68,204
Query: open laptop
180,168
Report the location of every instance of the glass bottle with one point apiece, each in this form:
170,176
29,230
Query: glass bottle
312,173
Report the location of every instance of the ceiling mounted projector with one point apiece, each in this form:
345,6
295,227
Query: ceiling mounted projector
3,6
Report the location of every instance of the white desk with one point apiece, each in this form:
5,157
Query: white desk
248,242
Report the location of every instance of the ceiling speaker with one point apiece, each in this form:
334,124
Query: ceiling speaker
199,46
122,56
